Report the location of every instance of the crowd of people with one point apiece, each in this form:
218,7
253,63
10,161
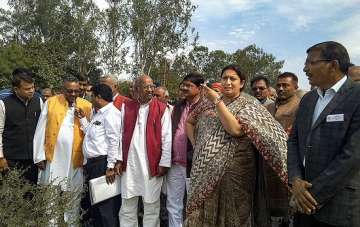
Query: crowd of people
217,157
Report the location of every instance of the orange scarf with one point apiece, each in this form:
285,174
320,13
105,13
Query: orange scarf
57,109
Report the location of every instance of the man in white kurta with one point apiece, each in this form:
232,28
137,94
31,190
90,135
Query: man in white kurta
60,170
137,180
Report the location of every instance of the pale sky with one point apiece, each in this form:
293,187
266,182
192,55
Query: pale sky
285,28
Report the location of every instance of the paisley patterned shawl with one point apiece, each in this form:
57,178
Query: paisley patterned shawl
215,147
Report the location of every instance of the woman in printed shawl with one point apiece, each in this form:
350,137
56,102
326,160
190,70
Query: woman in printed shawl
228,132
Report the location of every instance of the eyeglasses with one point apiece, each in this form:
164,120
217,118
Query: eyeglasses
313,62
152,86
258,88
71,91
187,85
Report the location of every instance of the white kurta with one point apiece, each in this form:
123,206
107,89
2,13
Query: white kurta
60,170
136,180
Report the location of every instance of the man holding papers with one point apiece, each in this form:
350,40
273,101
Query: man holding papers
146,147
101,152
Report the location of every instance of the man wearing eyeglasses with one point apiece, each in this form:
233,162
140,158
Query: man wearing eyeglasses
182,149
324,145
146,154
58,140
260,90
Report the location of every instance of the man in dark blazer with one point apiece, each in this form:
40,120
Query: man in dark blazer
324,145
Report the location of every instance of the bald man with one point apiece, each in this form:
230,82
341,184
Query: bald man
112,81
146,153
162,94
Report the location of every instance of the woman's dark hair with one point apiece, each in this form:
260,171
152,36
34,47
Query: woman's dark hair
103,91
238,71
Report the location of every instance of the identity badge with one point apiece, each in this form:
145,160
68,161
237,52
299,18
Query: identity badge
335,118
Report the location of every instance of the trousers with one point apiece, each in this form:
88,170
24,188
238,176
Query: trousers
105,213
129,213
176,186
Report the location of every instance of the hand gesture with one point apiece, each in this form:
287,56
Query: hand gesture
210,94
79,113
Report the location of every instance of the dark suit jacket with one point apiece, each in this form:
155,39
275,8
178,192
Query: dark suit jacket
332,155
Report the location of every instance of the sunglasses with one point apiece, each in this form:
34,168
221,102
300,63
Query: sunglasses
71,91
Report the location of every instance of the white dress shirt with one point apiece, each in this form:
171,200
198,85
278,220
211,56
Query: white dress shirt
102,135
323,101
2,123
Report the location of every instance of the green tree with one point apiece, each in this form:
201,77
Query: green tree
254,61
84,20
55,35
199,57
217,60
116,32
182,65
11,56
157,28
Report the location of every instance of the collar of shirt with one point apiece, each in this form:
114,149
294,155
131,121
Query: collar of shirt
263,101
334,89
26,102
104,108
190,104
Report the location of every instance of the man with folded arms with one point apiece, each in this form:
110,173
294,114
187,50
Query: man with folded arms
101,151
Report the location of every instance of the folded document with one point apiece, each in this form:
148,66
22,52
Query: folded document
100,190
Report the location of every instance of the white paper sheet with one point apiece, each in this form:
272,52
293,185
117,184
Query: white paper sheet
100,190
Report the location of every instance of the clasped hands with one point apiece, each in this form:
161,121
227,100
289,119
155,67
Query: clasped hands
111,173
305,202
